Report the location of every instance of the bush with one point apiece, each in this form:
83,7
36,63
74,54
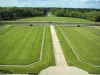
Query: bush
31,25
78,25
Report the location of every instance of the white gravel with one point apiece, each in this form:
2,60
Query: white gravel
59,56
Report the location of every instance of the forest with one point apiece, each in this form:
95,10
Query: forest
89,14
13,13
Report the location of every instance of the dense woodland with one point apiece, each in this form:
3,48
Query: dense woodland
89,14
13,13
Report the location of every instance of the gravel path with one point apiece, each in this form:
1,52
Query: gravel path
59,56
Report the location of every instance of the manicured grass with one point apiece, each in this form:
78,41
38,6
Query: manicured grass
86,44
5,28
31,49
1,26
21,45
54,18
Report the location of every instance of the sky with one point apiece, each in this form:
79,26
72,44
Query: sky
52,3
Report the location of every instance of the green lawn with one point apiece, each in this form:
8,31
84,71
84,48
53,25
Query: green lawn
85,42
21,46
1,26
54,18
5,28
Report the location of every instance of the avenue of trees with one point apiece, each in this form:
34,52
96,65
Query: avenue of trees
89,14
13,13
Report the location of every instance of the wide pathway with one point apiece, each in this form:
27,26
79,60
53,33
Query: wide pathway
59,56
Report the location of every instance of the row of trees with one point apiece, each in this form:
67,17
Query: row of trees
13,13
89,14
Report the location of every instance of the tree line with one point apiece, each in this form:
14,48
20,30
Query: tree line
12,13
89,14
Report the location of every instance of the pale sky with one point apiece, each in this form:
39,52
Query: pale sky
52,3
